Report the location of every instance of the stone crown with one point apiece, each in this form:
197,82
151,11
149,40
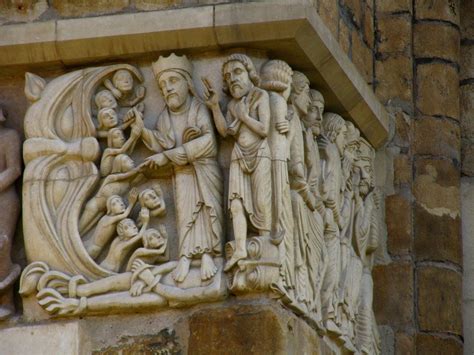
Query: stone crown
172,62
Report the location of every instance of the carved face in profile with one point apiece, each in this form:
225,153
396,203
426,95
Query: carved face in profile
118,138
108,118
105,99
153,239
174,89
123,80
237,79
117,205
315,117
340,140
365,169
302,100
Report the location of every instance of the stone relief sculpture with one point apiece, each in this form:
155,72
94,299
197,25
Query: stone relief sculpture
100,165
10,170
248,121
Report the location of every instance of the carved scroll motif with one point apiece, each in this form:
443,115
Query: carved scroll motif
300,195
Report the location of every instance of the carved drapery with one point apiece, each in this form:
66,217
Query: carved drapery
300,195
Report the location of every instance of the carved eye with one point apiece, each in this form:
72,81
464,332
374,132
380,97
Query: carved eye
238,71
226,76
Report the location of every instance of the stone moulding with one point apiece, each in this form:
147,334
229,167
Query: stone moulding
294,33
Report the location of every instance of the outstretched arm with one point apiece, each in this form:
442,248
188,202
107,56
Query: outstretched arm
132,200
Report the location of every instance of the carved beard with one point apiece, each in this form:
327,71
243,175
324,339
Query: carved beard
364,187
239,89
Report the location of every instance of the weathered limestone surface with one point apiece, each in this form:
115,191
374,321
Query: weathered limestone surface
425,139
75,41
60,338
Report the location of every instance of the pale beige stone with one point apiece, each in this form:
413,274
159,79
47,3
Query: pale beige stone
57,338
294,31
301,193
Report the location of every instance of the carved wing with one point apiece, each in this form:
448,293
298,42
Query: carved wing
60,174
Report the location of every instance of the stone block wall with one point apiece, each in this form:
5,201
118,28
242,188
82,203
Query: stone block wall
418,56
413,63
467,158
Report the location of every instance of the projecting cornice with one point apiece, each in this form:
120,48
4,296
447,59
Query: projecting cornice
294,33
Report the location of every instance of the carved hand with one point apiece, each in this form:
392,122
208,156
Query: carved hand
137,288
211,97
283,126
156,161
133,196
242,110
137,265
138,122
144,215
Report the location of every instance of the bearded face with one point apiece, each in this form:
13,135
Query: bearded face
365,183
303,100
174,88
314,118
237,79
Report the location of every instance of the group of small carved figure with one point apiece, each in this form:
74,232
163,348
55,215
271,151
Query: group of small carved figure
300,183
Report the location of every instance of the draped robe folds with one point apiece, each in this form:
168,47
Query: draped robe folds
365,242
308,225
282,213
331,189
197,178
250,170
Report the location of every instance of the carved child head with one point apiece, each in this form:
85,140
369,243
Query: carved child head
151,198
115,138
122,164
334,127
123,80
155,239
314,118
115,205
300,92
174,77
105,99
239,75
107,118
127,228
276,76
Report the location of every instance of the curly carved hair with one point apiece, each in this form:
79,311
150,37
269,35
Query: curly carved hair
333,124
247,63
316,96
276,75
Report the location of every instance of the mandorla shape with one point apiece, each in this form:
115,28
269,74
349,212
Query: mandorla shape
60,174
